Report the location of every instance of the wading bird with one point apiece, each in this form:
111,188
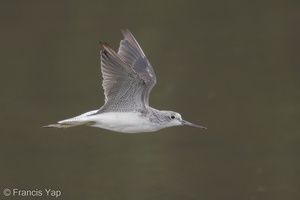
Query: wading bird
128,78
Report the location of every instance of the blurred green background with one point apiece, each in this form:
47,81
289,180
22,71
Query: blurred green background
232,66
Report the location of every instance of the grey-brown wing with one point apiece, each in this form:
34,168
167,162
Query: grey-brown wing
123,88
127,76
133,55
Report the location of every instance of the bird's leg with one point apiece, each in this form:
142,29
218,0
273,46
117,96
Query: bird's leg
68,125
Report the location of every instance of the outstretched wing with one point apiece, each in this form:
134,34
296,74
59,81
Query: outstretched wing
127,76
133,55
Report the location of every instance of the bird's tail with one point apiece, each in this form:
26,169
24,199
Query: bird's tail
67,125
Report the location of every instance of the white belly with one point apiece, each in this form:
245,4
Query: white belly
117,121
123,122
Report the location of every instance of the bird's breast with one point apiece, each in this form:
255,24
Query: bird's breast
128,122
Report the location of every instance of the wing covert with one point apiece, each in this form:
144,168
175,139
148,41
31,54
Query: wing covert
127,76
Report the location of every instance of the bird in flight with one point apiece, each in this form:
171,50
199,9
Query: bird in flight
128,78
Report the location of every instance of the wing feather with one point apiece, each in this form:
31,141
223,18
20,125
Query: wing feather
127,76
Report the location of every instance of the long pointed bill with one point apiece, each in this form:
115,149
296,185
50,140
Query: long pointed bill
190,124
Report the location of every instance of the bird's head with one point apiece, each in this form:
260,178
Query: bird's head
172,118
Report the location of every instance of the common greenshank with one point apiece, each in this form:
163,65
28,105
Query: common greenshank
128,78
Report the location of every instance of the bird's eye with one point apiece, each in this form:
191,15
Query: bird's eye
172,117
